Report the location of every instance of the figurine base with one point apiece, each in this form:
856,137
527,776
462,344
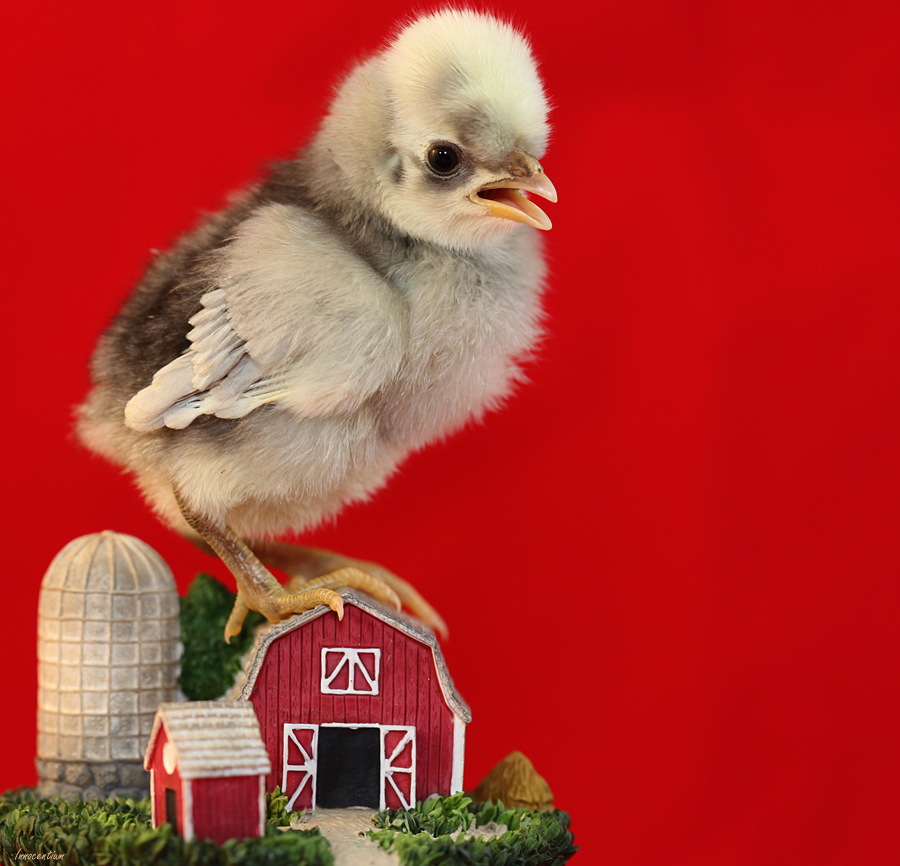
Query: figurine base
82,780
436,831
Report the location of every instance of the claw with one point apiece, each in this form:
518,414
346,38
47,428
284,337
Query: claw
309,563
231,630
279,604
351,577
236,618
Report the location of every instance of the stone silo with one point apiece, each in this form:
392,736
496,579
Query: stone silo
108,651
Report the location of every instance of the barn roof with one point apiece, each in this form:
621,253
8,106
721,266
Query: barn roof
404,624
211,738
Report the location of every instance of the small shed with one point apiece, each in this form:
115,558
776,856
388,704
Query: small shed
356,712
207,767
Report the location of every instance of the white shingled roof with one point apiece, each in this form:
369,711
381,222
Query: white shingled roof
211,738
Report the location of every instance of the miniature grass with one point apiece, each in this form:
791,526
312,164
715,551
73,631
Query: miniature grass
208,664
421,836
118,833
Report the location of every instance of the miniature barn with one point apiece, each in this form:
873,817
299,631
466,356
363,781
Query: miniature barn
356,712
207,768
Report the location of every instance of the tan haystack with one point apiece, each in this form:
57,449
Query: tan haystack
515,781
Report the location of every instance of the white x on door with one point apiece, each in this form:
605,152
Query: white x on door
398,749
298,781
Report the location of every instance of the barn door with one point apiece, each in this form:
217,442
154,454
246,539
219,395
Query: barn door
398,749
298,781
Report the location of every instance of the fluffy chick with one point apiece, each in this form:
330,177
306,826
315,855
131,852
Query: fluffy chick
368,297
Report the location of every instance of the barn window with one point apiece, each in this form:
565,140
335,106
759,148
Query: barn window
350,671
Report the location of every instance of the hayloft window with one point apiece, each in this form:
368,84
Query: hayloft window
350,671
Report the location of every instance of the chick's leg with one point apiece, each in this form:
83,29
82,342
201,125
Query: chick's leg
257,587
310,567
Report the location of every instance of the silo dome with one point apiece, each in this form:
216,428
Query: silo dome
108,650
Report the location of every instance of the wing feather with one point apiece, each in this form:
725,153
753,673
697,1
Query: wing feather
296,318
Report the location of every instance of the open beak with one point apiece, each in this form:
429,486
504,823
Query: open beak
506,198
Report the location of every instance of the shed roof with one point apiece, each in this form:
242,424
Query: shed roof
211,738
405,624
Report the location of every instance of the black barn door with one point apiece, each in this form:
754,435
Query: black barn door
348,772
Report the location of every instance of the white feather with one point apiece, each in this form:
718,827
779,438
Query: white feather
328,336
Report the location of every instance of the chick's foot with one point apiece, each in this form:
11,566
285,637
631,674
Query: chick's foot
299,595
257,587
314,576
307,566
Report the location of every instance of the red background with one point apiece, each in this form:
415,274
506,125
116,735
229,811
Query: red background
670,565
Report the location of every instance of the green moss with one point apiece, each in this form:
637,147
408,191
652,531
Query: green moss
118,833
421,836
209,665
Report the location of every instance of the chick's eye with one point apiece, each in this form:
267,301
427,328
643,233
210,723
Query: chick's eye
443,159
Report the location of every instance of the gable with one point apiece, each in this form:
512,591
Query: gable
308,648
208,739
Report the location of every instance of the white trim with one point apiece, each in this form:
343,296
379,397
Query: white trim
350,657
459,754
309,766
388,770
262,806
187,808
153,820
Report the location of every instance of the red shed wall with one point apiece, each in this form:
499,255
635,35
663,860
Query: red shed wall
226,808
287,691
163,780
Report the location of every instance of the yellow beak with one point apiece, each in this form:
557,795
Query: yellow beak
505,198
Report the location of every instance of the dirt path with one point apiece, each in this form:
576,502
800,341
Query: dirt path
345,831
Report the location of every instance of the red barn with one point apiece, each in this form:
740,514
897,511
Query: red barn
356,712
207,768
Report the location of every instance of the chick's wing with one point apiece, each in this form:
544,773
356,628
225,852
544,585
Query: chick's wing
296,318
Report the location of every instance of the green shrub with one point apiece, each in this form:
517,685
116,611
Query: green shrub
421,836
118,833
209,665
276,806
436,815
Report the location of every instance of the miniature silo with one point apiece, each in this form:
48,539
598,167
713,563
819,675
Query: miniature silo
108,651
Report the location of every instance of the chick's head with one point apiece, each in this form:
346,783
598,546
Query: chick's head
454,117
468,124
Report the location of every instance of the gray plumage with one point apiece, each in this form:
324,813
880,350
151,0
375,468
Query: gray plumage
280,361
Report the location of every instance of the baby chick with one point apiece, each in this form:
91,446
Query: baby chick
370,296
